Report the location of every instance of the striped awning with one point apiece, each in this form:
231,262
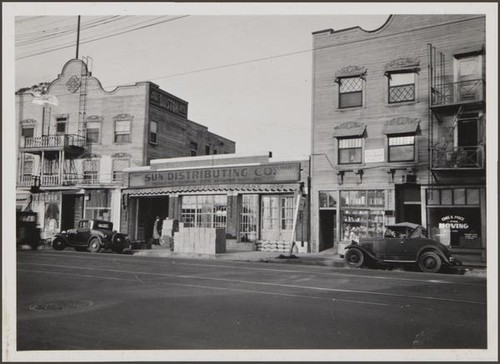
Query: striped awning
250,188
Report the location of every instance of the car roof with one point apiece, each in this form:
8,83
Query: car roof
404,224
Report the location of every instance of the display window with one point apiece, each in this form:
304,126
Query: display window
456,227
362,214
98,205
209,211
249,218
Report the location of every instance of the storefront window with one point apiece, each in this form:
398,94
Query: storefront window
446,198
459,196
249,215
362,214
456,226
270,213
209,211
287,213
472,197
98,205
327,199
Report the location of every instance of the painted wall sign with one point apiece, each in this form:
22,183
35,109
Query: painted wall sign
168,103
268,173
374,155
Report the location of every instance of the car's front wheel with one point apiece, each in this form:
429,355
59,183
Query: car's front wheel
354,258
94,245
429,262
58,244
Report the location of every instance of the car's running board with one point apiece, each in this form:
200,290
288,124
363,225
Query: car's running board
399,261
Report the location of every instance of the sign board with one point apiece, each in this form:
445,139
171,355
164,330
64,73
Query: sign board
168,103
267,173
374,155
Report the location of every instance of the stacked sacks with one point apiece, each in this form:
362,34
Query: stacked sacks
281,246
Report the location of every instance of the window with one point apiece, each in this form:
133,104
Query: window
93,132
207,149
118,166
401,87
204,211
327,199
457,196
194,148
249,216
90,171
98,205
401,148
350,92
350,150
28,131
153,132
287,212
61,125
215,151
122,131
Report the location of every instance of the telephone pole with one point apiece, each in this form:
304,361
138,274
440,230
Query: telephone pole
78,37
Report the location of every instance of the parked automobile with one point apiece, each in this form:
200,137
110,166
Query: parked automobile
92,235
402,243
27,232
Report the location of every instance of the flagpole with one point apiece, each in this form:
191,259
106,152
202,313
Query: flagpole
78,37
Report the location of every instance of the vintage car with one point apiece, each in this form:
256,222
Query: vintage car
92,235
402,243
27,231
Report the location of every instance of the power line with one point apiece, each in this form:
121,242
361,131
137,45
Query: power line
104,37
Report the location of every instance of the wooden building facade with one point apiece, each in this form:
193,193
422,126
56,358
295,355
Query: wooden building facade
398,131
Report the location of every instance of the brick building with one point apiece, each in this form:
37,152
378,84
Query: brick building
398,131
75,139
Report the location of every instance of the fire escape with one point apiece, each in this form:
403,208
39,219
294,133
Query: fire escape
456,119
56,149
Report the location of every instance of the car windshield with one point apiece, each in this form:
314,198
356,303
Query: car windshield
85,224
401,232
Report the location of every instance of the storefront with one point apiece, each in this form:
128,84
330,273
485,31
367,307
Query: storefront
456,218
251,197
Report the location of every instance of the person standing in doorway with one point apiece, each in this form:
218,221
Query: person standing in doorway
157,231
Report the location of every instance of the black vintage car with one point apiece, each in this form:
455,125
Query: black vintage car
27,231
92,235
402,243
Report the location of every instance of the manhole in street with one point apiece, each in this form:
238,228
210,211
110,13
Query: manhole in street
60,305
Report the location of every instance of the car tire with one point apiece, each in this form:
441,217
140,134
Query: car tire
429,262
354,258
58,244
94,245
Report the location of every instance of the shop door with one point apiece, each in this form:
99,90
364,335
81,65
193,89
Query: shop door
149,208
327,223
72,211
270,218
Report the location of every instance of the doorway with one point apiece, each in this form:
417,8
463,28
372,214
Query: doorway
149,208
72,211
327,228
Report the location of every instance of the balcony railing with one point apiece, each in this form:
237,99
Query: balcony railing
457,93
459,158
53,141
71,179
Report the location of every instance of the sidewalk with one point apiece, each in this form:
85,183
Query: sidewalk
326,258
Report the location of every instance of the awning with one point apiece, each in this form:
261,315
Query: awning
403,65
349,129
401,125
162,191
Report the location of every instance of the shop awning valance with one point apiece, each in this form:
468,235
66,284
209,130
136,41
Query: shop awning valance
406,64
401,125
161,191
349,129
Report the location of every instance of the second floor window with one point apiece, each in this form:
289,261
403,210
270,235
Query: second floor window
194,149
350,92
122,131
153,132
350,150
90,170
61,125
118,165
93,133
401,148
27,132
401,87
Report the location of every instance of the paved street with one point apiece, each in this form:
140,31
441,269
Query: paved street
76,300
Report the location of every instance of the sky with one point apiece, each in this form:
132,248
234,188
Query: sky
247,78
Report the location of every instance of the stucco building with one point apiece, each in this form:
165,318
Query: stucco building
75,139
398,131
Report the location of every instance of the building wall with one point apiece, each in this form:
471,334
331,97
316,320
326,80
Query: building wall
402,36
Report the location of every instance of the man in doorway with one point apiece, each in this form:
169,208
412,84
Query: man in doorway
157,231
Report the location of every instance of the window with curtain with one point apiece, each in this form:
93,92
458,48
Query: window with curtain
122,131
93,132
401,148
350,150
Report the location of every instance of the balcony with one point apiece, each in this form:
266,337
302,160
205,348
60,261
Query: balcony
71,179
52,142
457,93
458,158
